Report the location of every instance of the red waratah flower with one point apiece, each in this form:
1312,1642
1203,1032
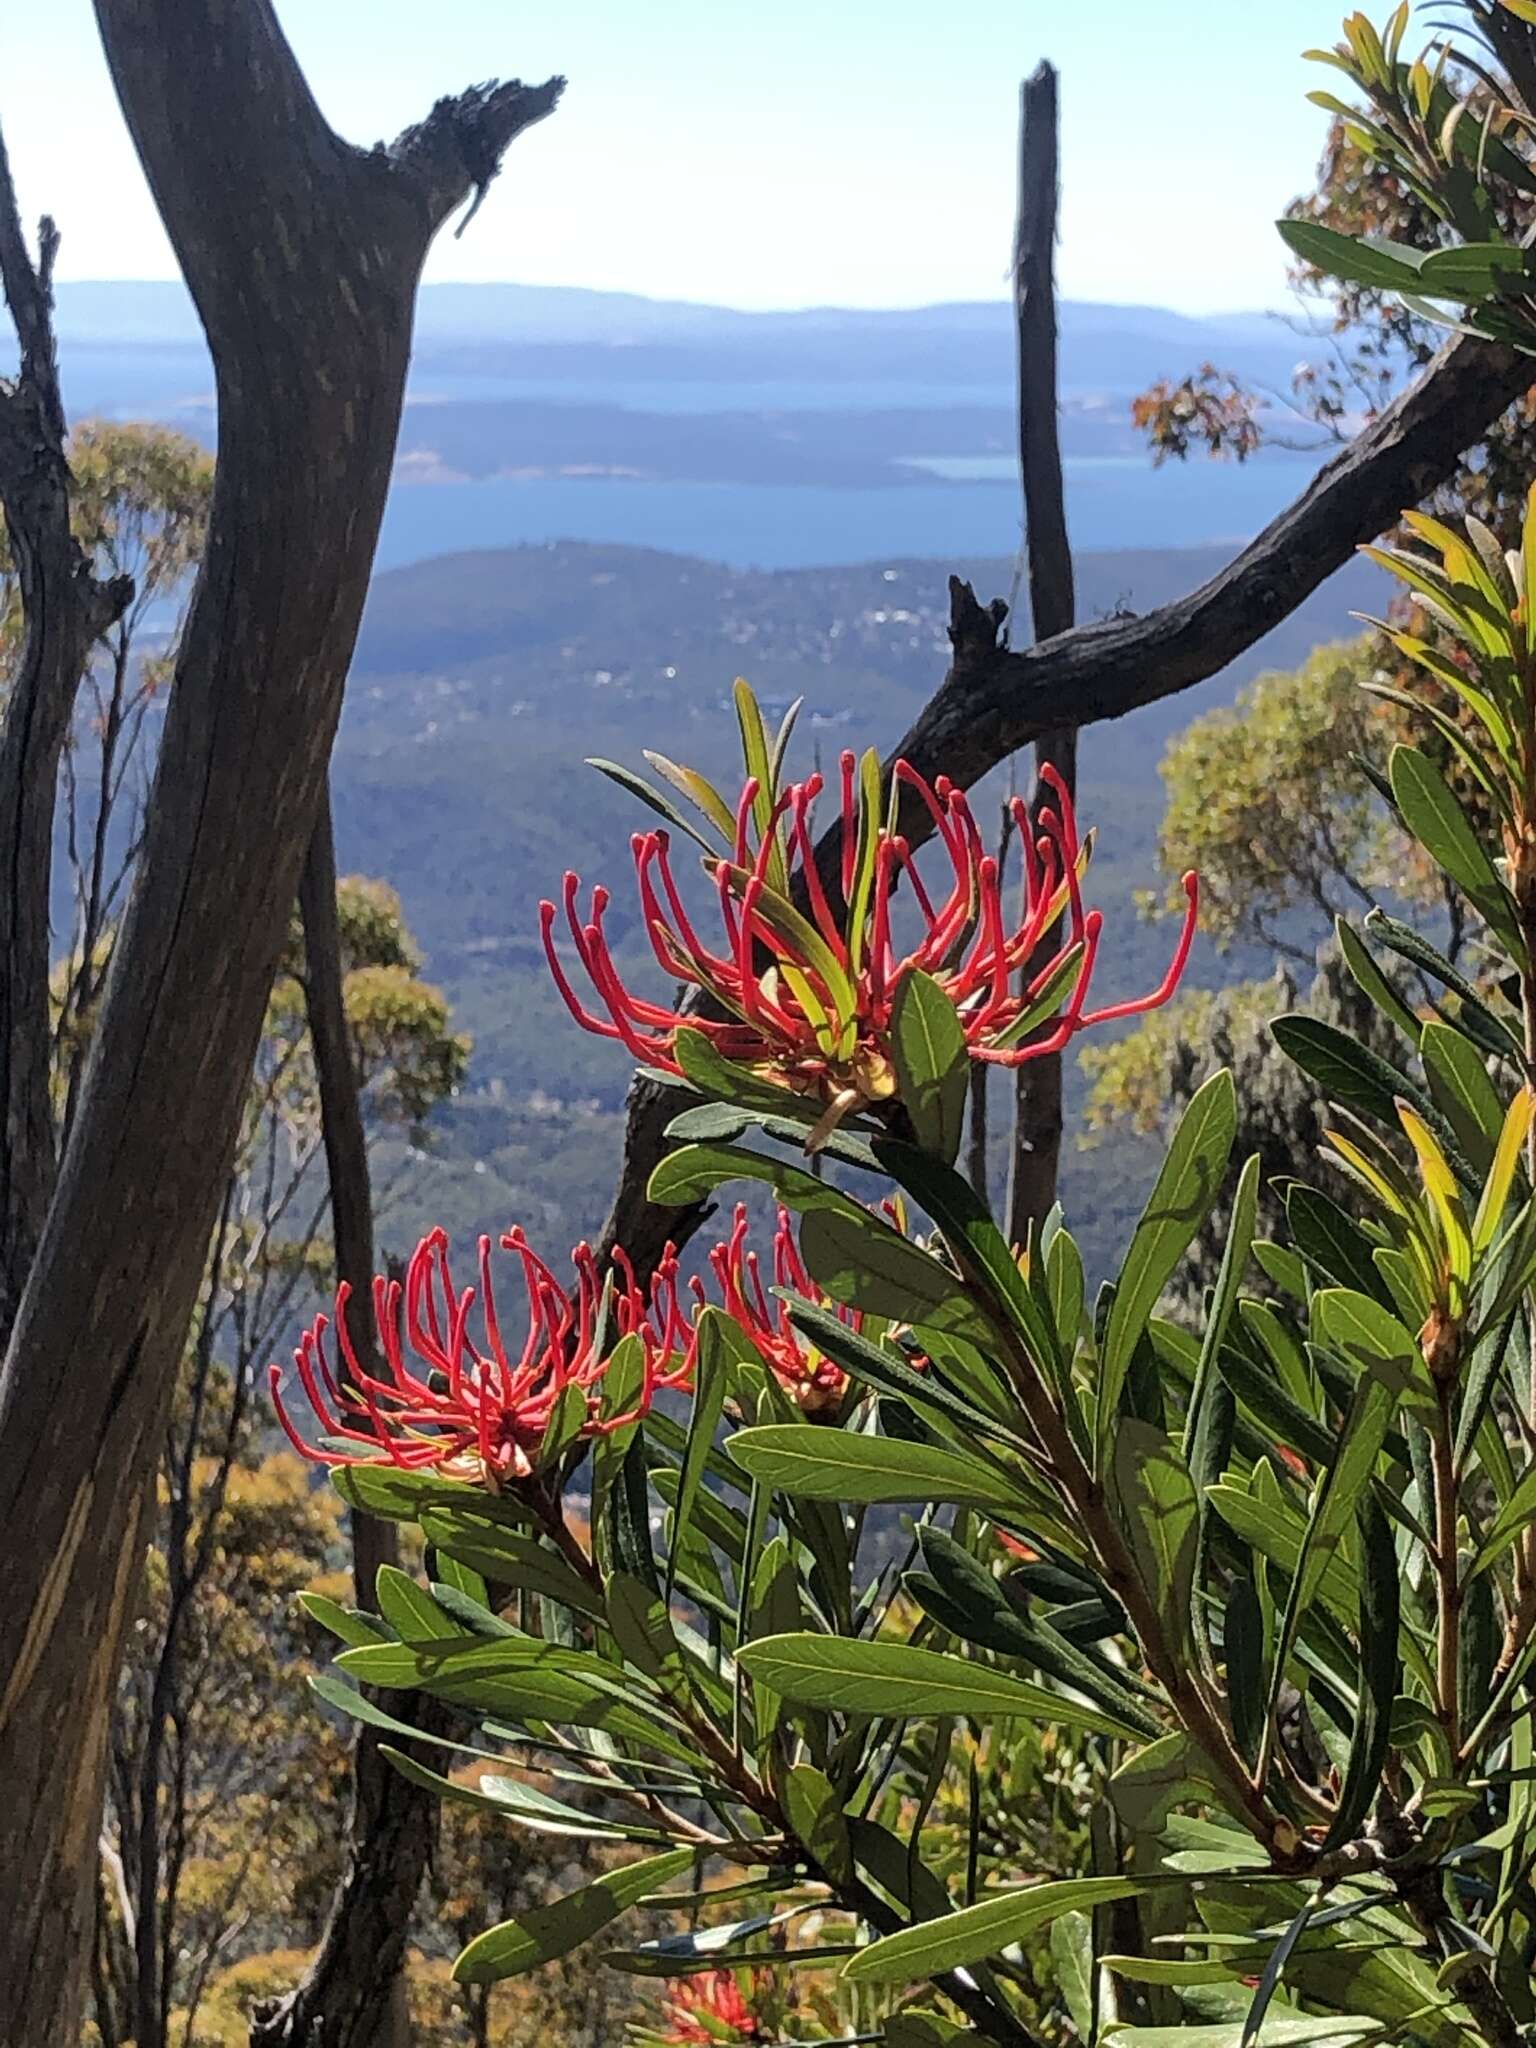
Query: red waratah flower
811,1380
457,1401
808,998
702,2008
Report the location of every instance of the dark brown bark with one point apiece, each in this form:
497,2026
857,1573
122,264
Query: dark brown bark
65,609
351,1992
302,255
348,1996
1037,1117
995,699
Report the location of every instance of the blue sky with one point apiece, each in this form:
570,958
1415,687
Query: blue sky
779,153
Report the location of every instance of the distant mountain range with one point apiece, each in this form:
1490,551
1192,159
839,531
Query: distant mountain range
1111,348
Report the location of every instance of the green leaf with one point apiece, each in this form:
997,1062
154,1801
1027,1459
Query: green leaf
722,1080
1331,1243
1471,272
511,1561
409,1608
693,1172
858,1677
964,1597
1357,261
718,1347
816,1818
1243,1642
530,1808
1436,819
1234,1261
1345,1071
883,1366
1467,1099
547,1932
982,1930
1156,1507
860,1261
637,786
347,1623
383,1489
933,1068
642,1628
1181,1199
833,1464
1077,1967
1514,1517
1384,1354
526,1678
1157,1778
1361,962
1279,2032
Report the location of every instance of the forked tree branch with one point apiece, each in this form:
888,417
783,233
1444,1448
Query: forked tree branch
996,699
302,254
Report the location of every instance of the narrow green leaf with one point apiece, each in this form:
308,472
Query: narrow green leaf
1433,815
347,1623
1182,1197
815,1815
409,1608
545,1933
1361,962
861,1261
716,1350
516,1562
859,1677
1155,1506
982,1930
1345,1071
933,1068
834,1464
1234,1261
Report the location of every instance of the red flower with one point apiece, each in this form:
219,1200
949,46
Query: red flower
457,1401
809,998
714,1996
813,1381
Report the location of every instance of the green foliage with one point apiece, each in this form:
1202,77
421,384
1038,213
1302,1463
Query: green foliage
1267,801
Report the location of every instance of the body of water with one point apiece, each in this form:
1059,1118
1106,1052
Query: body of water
955,506
1112,502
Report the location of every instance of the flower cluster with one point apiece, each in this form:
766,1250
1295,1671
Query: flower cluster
456,1400
710,2008
807,995
814,1382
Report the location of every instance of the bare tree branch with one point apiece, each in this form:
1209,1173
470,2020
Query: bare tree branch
64,610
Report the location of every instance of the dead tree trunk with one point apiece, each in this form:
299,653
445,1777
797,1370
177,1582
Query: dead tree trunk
352,1992
65,610
1037,1118
302,254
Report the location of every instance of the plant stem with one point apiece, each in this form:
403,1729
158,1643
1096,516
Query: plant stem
1173,1670
1447,1578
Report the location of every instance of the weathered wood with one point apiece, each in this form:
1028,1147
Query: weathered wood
302,255
996,699
64,609
1035,1150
